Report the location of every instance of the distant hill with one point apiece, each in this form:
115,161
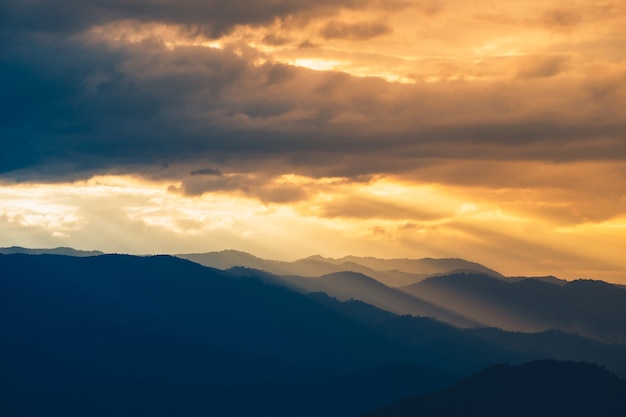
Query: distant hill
541,389
592,308
391,272
54,251
415,266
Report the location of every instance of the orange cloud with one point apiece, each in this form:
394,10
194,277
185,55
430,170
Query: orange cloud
492,131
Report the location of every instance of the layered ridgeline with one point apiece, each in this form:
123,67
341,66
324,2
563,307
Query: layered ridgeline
455,291
591,308
391,272
161,336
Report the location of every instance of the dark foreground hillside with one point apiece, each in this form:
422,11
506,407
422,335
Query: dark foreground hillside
539,389
160,336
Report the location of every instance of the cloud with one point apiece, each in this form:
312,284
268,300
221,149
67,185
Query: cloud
542,66
79,107
272,39
363,207
207,171
430,7
213,17
266,190
307,44
355,31
554,193
502,127
561,18
94,103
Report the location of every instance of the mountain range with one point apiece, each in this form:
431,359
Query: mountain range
592,308
391,272
160,335
454,291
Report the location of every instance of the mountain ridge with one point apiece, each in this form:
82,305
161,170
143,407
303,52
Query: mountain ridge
393,272
61,250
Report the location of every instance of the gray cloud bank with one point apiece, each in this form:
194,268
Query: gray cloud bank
214,17
74,106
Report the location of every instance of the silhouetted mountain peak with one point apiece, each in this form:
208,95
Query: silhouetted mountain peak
391,272
590,284
317,258
532,283
548,279
232,253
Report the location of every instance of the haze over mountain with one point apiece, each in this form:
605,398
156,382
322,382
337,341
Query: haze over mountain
349,285
465,297
591,308
453,348
391,272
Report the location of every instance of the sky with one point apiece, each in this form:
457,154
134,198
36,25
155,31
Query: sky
490,131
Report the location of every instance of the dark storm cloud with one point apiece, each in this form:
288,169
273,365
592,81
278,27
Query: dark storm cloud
214,17
207,171
260,188
74,107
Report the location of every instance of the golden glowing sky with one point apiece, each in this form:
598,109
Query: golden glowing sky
491,131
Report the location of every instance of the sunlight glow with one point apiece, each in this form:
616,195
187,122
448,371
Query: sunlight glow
317,64
383,217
